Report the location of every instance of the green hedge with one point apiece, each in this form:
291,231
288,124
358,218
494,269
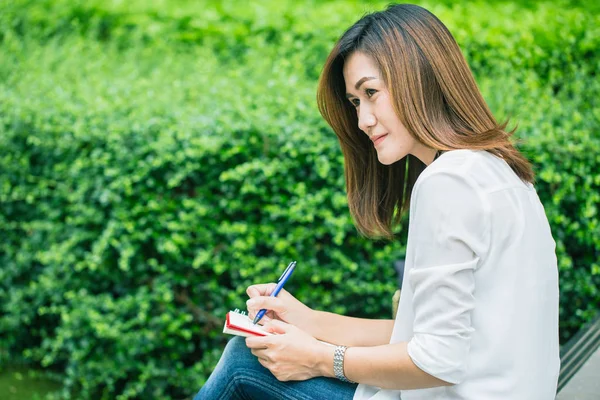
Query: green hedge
158,158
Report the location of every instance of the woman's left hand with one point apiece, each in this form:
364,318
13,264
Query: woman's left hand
291,354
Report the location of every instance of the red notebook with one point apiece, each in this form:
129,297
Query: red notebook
238,323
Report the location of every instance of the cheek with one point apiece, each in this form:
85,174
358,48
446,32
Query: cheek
387,112
393,123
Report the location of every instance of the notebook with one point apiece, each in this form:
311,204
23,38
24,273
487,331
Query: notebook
238,323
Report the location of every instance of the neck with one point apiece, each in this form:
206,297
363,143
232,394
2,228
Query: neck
424,153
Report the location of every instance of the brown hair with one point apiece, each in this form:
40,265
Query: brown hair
435,96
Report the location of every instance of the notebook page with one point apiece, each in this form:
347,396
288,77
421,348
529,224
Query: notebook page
241,324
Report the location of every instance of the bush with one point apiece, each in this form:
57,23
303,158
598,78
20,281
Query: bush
157,160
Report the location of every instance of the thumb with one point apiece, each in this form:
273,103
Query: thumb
270,303
279,327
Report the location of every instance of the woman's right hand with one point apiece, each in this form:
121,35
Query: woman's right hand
284,307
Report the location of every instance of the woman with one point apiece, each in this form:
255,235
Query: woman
478,313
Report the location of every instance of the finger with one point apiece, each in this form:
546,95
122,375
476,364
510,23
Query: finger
264,363
252,313
266,318
267,302
262,289
263,320
257,342
259,353
276,326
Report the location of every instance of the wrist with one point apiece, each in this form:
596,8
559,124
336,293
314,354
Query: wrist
339,355
311,322
325,360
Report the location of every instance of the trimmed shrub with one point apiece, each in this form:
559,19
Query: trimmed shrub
156,160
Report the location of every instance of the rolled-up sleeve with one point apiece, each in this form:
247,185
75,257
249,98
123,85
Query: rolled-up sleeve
449,235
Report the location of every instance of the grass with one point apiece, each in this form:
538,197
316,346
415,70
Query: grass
19,383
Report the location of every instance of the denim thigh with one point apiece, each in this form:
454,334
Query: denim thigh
239,376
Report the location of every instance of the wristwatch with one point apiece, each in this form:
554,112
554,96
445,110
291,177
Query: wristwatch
338,363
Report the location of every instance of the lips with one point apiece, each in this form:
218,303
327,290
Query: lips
378,138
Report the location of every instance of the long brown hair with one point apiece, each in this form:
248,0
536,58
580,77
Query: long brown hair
435,96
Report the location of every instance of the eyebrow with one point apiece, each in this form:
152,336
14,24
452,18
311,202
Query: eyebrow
360,82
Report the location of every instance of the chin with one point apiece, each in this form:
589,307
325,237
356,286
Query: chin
388,159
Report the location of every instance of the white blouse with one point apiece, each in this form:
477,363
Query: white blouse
479,301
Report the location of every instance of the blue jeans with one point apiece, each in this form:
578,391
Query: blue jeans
239,376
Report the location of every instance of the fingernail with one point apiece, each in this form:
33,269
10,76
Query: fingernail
251,303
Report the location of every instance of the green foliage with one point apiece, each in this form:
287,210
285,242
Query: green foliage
156,159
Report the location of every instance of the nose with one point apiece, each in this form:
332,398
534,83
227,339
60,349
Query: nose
366,119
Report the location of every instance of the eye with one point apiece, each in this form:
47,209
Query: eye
355,102
370,92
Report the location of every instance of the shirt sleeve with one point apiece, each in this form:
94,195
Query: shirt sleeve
449,234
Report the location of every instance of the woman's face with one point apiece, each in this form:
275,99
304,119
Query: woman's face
366,91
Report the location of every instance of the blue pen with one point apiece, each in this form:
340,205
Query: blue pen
282,280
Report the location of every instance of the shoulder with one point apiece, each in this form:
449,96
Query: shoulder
455,168
478,170
448,201
452,187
